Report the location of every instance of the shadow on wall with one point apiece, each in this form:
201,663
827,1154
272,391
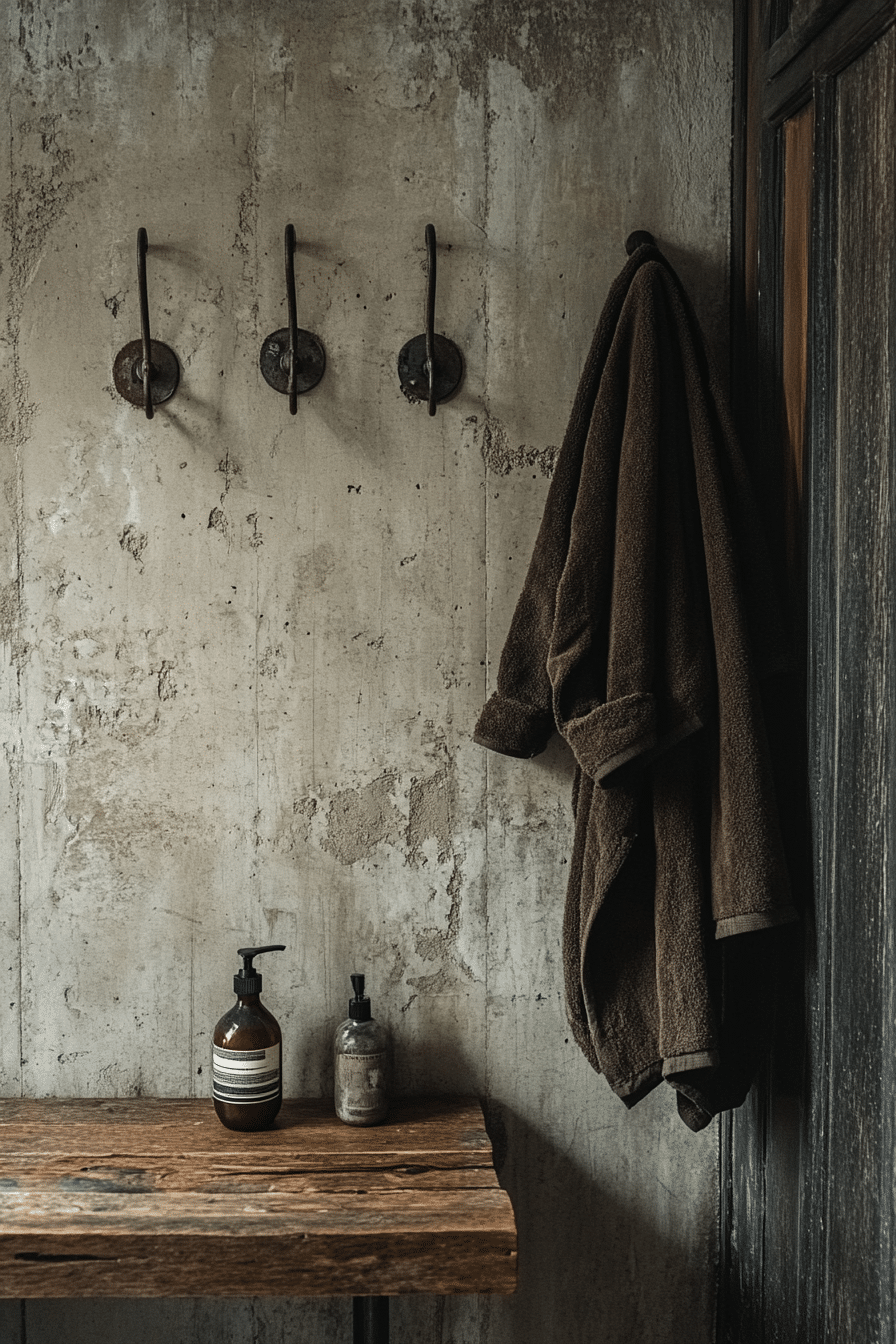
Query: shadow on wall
706,282
592,1268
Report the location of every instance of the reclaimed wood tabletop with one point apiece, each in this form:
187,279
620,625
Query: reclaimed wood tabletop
146,1197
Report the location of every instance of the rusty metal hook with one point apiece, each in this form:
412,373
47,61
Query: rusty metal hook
145,372
430,367
292,359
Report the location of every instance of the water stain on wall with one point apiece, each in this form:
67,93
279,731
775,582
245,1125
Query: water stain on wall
313,568
563,52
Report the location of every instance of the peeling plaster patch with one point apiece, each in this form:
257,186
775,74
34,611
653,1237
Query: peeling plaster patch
54,796
39,200
295,828
9,610
306,807
43,197
167,686
429,816
7,427
134,543
248,200
257,537
432,944
361,819
217,518
450,678
230,470
86,647
87,706
40,43
115,303
502,459
55,520
434,742
441,945
269,663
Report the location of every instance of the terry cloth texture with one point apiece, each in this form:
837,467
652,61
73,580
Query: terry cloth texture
646,623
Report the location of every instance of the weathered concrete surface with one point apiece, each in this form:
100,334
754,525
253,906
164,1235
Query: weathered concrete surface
244,651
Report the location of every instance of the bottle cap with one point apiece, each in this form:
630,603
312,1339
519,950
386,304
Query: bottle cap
248,980
359,1007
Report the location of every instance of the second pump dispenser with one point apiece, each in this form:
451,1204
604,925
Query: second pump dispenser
361,1057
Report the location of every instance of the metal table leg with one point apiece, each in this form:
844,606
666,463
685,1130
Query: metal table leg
370,1317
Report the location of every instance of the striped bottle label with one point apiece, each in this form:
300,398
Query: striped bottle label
244,1077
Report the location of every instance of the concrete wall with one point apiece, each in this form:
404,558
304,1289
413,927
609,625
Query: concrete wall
244,652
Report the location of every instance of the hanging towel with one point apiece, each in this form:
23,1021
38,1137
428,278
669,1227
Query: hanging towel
646,624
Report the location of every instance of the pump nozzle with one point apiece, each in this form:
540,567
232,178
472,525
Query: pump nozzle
359,1008
248,980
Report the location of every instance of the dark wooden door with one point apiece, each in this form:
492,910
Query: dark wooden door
810,1162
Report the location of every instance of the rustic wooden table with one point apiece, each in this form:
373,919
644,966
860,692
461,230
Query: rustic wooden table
155,1198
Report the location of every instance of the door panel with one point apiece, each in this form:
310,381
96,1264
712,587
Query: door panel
861,1081
809,1181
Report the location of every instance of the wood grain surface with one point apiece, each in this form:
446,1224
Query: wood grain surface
155,1198
811,1253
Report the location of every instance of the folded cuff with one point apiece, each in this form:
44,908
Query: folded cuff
698,1059
512,727
756,920
613,735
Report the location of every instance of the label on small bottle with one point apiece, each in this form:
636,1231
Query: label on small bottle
243,1077
361,1081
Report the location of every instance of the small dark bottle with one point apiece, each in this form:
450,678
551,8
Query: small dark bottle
247,1081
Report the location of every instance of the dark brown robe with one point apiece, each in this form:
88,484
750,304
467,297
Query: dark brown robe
646,623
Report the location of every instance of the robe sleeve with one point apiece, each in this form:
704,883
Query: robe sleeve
518,719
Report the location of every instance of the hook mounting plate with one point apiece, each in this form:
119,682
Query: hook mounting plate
164,372
310,359
413,373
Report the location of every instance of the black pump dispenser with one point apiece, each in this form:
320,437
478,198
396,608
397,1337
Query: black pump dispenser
248,980
359,1006
247,1077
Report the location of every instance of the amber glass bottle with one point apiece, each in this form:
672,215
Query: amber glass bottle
247,1081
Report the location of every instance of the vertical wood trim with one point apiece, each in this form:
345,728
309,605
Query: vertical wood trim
798,156
861,1073
821,600
753,95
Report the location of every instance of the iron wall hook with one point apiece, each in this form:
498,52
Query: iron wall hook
145,372
292,360
638,239
430,367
